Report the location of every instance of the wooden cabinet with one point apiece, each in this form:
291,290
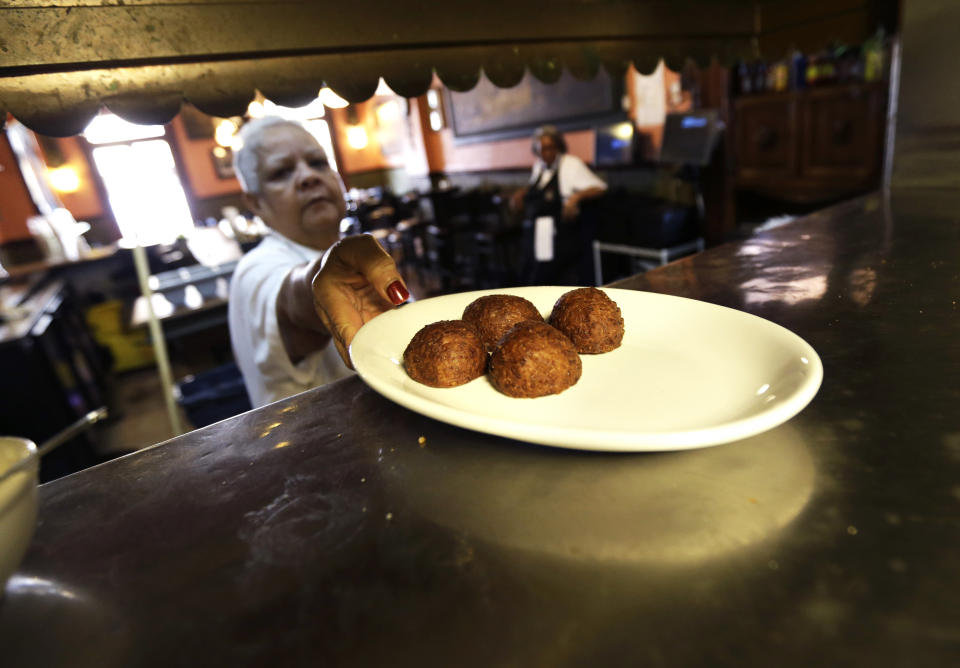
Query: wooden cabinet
810,145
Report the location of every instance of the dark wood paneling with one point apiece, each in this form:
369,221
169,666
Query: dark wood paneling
766,129
843,133
811,145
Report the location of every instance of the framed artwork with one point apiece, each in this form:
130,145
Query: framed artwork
488,112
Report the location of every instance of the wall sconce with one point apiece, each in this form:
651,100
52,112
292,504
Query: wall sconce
357,137
356,133
64,179
436,111
226,129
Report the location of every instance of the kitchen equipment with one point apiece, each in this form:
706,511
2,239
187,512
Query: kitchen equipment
19,463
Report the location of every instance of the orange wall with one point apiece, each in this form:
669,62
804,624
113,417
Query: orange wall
412,157
15,202
194,155
85,202
197,162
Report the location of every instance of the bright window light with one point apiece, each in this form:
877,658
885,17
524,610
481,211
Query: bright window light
107,128
321,131
389,111
312,110
144,191
383,89
331,99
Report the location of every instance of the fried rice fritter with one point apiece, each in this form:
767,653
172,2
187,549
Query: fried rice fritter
590,319
447,353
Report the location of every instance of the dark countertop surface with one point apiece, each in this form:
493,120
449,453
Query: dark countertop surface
320,531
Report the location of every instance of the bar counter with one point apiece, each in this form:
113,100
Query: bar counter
338,528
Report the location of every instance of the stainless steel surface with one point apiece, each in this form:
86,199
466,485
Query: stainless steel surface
337,528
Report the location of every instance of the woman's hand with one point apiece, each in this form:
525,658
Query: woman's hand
571,207
356,282
516,199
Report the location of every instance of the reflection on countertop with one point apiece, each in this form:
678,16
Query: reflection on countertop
338,528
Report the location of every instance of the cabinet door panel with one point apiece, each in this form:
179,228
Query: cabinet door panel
766,131
842,130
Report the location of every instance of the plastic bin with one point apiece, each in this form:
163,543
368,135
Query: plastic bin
213,395
130,349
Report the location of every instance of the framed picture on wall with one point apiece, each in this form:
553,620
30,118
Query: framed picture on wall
223,162
488,112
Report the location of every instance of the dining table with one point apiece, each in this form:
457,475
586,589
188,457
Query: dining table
339,528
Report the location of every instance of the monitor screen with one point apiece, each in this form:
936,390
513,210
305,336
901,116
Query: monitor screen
690,137
615,144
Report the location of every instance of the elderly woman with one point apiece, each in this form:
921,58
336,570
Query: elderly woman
554,239
298,298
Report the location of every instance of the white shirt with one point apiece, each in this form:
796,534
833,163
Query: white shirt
255,334
574,175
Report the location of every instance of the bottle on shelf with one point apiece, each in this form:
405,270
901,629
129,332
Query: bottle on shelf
759,76
812,74
743,79
873,57
798,71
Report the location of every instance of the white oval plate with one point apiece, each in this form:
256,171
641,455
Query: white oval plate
689,374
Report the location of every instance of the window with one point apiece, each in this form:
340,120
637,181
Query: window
144,189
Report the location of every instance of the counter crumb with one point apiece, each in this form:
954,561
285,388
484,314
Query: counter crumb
852,530
422,441
389,516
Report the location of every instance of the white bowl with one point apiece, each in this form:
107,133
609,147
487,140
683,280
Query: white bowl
18,501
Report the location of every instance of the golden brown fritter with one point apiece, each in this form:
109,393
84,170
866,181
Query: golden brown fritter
494,315
445,354
533,360
590,319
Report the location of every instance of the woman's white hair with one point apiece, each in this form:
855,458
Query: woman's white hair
247,156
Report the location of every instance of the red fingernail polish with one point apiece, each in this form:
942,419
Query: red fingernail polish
397,293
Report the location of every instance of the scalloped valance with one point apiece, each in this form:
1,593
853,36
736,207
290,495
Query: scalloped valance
62,60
